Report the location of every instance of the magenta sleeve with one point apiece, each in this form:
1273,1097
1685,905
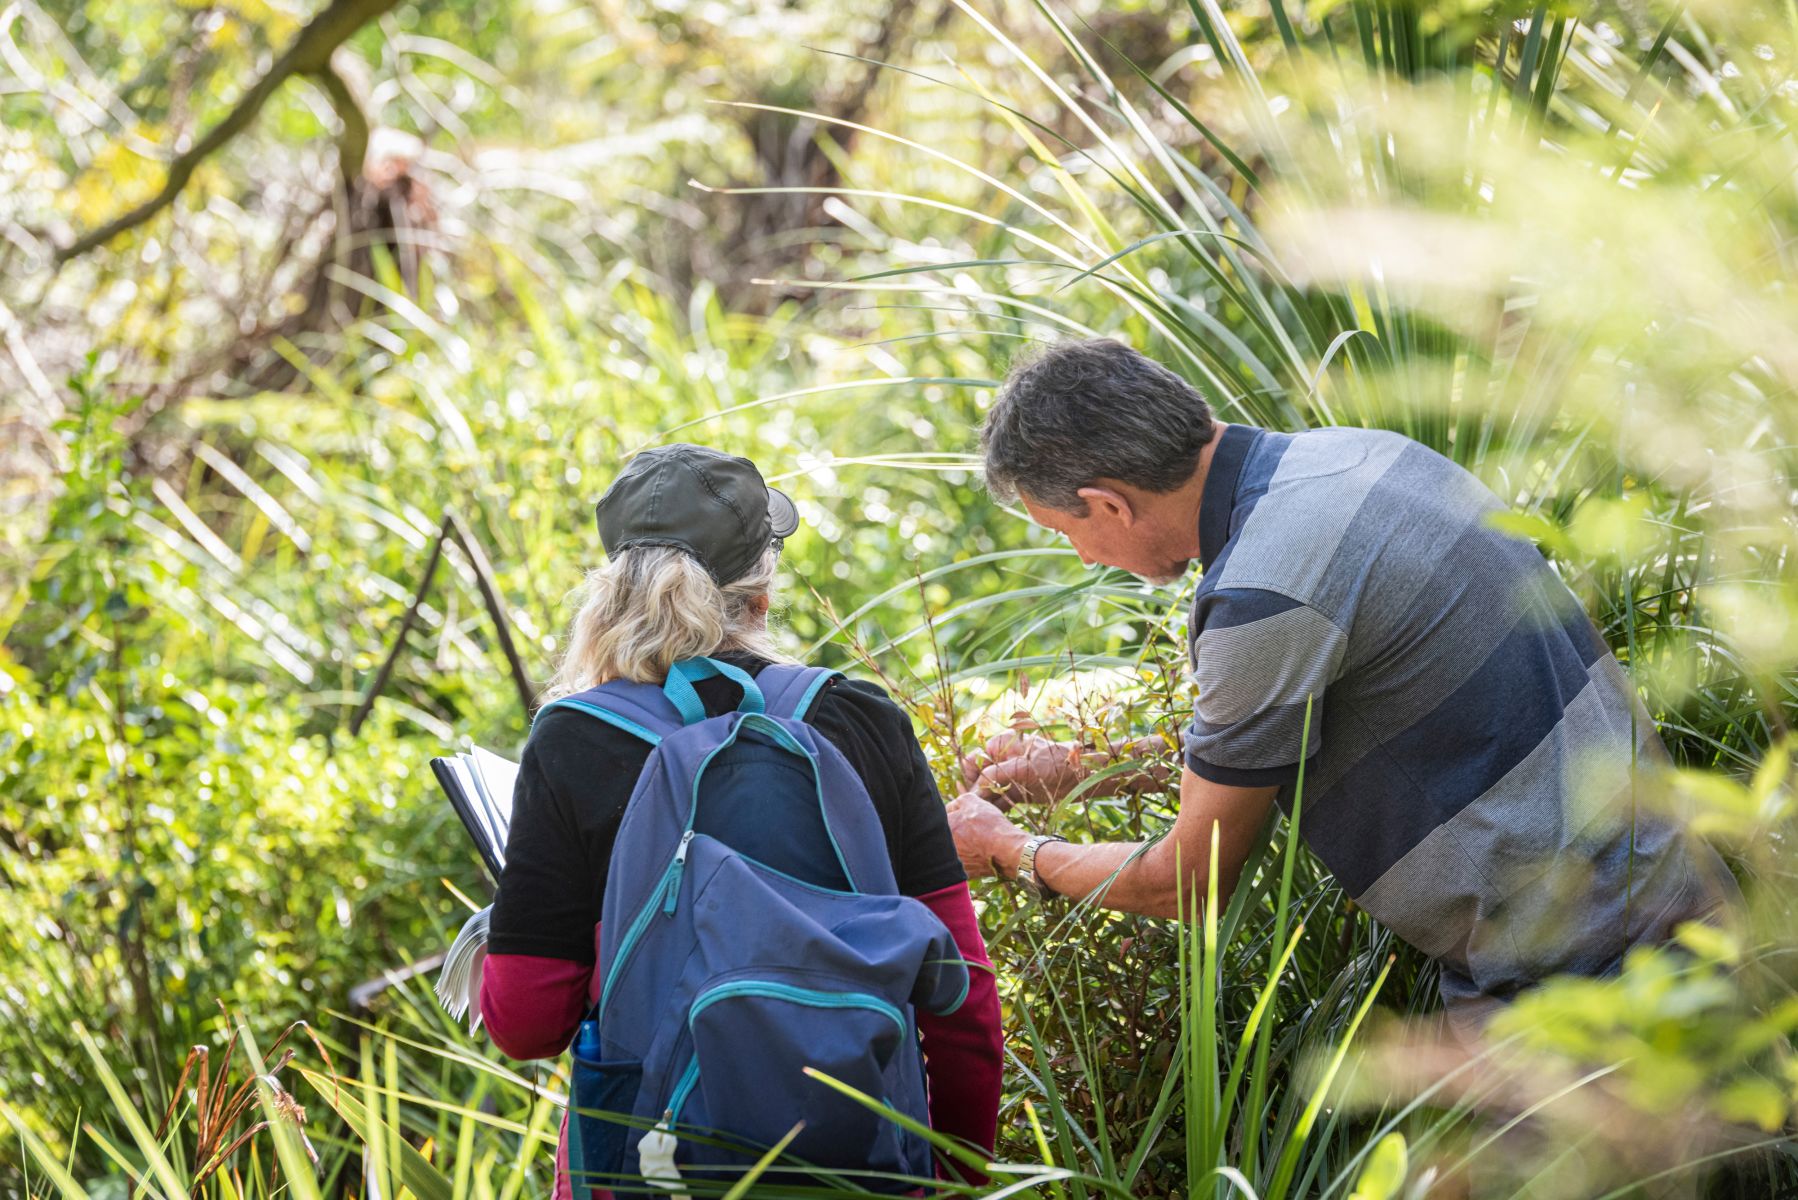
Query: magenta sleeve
532,1005
964,1051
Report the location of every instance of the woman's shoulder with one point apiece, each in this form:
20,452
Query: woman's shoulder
580,764
863,702
848,689
845,700
559,722
561,733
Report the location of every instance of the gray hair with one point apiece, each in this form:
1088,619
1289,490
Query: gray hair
651,606
1088,410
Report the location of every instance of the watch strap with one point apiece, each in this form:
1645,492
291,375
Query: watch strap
1027,864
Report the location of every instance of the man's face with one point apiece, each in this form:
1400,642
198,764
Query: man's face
1113,534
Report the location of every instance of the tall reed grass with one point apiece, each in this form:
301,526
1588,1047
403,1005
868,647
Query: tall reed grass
1552,246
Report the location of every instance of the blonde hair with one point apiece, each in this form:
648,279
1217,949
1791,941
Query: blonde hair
651,606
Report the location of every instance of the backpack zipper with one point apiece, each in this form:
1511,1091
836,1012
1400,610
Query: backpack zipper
797,995
682,1090
641,921
675,869
689,1077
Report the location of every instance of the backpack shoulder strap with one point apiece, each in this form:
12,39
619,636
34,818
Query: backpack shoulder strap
790,691
640,709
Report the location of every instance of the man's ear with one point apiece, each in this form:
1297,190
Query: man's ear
1108,502
758,605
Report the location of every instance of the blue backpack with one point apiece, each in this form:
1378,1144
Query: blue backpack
752,928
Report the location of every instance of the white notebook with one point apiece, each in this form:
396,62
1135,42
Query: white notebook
479,786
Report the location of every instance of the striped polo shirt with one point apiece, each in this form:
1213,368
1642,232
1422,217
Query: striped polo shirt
1475,774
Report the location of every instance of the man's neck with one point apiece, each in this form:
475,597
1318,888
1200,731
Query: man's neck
1178,511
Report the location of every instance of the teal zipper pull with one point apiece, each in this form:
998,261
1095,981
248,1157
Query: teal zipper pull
674,873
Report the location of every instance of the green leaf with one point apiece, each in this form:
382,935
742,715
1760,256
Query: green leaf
1754,1101
1385,1171
1531,527
942,1142
415,1172
1771,774
42,1155
160,1168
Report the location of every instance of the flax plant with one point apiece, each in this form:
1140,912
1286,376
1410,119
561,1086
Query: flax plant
1553,245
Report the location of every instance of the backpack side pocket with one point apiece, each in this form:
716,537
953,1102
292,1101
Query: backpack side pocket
602,1095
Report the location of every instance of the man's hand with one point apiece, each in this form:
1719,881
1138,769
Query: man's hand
1023,768
1027,768
987,843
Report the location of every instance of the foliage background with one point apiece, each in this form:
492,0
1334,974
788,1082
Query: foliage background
1553,242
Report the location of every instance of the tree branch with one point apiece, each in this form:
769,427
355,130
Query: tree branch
310,54
352,140
379,683
502,625
453,529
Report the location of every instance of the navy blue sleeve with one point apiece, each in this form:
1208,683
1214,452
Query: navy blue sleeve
1259,658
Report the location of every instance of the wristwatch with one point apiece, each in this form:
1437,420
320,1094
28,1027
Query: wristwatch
1027,865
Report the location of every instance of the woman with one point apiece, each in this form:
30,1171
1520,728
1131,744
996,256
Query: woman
692,537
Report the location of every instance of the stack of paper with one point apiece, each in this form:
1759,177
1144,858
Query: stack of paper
479,786
459,982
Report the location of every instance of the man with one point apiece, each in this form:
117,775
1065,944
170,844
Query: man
1472,760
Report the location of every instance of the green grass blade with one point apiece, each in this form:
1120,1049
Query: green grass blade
41,1154
160,1168
742,1186
296,1158
414,1171
1295,1143
942,1142
1258,1074
1263,1001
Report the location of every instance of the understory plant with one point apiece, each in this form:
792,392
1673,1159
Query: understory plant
1554,245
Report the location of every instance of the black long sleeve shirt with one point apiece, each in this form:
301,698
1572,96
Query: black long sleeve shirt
577,774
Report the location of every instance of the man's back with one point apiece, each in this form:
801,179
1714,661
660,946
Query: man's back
1473,774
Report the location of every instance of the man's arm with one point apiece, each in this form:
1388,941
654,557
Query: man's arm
1148,883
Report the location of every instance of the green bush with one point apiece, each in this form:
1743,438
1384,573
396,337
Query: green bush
172,839
1553,246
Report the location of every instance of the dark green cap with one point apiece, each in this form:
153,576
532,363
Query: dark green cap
714,506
